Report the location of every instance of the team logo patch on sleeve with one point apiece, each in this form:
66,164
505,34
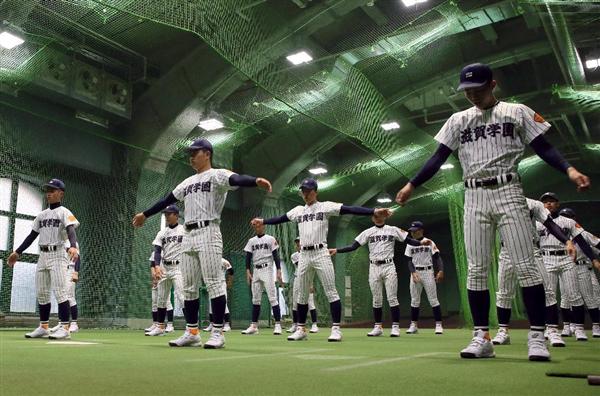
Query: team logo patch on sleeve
538,118
72,218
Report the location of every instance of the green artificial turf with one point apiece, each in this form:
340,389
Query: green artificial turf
126,362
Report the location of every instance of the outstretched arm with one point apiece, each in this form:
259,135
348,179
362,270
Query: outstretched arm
558,233
272,221
585,247
249,181
140,218
349,248
14,256
362,211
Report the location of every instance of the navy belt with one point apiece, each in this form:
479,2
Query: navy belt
261,266
554,252
490,181
174,262
424,268
49,248
379,262
313,247
582,262
195,226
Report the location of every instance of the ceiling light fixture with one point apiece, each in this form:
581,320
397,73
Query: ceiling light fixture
384,198
592,63
447,166
210,124
319,168
409,3
389,126
9,40
299,57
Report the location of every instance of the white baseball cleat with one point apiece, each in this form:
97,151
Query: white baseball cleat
169,328
376,332
580,334
149,329
216,340
439,329
502,337
554,338
73,327
336,335
537,349
186,340
60,334
39,332
395,332
250,330
566,331
53,329
277,329
314,328
298,335
226,327
595,331
572,327
292,329
208,328
480,347
412,329
157,332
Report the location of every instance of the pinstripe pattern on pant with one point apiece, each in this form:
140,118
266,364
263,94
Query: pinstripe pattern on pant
262,280
203,266
319,262
172,278
311,297
51,275
380,276
561,269
586,287
427,283
70,284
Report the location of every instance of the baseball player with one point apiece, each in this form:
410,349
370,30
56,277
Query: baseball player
313,224
71,282
507,279
203,195
426,269
169,327
53,225
262,251
228,281
490,138
314,328
561,267
381,239
167,252
586,275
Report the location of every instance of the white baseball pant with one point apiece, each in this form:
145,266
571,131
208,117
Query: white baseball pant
171,278
380,276
427,283
561,269
51,276
319,262
262,279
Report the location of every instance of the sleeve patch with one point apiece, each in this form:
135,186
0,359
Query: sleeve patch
538,118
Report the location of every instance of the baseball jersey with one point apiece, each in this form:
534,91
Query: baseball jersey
204,194
381,241
592,240
549,241
538,213
422,255
169,239
313,221
226,265
262,249
295,258
52,225
491,142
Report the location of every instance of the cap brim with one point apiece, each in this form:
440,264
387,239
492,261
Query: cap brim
548,197
413,229
47,186
468,85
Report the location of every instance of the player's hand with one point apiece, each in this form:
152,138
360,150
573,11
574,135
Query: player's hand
257,221
139,220
279,277
73,253
248,277
75,277
416,278
425,242
332,252
571,250
404,194
12,259
229,282
596,264
439,277
582,181
264,184
158,273
385,212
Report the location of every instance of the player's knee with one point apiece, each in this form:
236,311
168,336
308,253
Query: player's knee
331,296
393,301
415,302
43,299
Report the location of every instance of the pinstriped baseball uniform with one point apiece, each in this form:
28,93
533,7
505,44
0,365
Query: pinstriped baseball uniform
422,259
203,195
295,257
559,264
155,292
69,279
585,273
51,270
382,271
507,276
262,248
170,240
313,225
490,144
226,267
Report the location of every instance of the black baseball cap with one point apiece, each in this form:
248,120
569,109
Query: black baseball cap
297,239
416,225
54,183
309,184
567,212
548,196
171,209
474,76
200,144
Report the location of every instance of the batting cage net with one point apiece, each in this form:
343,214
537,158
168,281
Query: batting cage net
94,53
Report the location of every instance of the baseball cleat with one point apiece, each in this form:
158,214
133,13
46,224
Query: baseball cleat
53,329
537,349
572,327
566,331
73,328
157,332
39,332
216,340
226,327
595,331
376,332
336,335
149,329
314,328
502,337
298,335
186,340
277,329
292,329
554,338
580,334
439,329
60,334
412,329
480,347
250,330
169,328
395,332
208,328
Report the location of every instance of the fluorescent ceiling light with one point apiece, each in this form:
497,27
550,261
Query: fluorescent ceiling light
384,198
390,126
210,124
592,63
8,40
299,57
318,168
447,166
409,3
